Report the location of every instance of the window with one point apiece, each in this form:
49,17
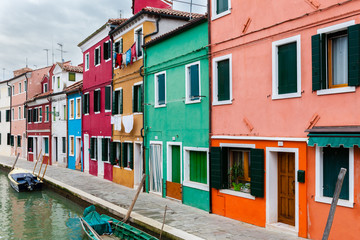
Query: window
35,117
45,89
30,144
53,81
196,168
335,58
7,116
46,145
97,101
239,170
107,98
93,148
25,85
137,98
65,112
117,107
8,139
19,112
87,61
222,80
12,114
127,155
329,161
118,46
192,82
58,82
71,146
78,108
97,56
63,144
13,90
160,89
40,114
86,107
9,91
72,76
107,50
286,79
12,140
220,8
29,118
54,114
19,141
24,112
71,108
19,87
139,41
105,150
47,113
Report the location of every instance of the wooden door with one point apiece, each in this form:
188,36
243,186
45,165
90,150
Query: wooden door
286,188
173,187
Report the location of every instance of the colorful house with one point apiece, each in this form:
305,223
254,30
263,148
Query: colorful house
96,127
176,117
127,108
63,75
138,5
279,81
74,94
5,93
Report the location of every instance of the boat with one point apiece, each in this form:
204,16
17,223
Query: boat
98,227
22,180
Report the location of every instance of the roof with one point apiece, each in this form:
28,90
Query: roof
40,95
69,68
112,21
168,13
74,87
180,29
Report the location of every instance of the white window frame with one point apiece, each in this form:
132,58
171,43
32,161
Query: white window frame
98,89
45,84
107,110
215,80
108,150
319,179
136,84
72,113
76,116
95,149
39,115
156,105
275,64
186,164
136,43
188,84
86,114
169,146
47,114
214,7
118,40
98,47
87,61
71,146
43,146
332,29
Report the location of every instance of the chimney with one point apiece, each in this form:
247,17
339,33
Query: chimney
21,71
140,4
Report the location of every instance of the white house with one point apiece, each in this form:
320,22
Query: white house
5,92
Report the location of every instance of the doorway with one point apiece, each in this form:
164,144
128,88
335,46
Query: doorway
86,153
138,164
155,167
78,162
173,183
56,149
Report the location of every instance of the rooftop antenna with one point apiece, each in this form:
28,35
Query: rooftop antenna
52,50
61,50
26,63
47,56
3,73
191,9
120,11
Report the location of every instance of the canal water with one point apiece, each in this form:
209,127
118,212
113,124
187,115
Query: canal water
37,215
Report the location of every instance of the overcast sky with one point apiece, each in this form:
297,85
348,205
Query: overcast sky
27,27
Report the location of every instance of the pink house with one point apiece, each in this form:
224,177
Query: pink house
97,90
286,77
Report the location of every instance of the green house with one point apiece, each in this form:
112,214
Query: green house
176,114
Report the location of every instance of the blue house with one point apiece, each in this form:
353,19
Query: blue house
74,113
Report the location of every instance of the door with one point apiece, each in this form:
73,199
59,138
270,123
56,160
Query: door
78,162
99,157
138,162
56,149
155,168
173,185
86,153
286,188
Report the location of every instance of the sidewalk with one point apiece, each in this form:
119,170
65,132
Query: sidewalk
182,221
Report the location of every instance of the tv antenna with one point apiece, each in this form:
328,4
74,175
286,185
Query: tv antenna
61,50
47,56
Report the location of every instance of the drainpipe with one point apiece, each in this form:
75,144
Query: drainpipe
10,111
210,102
26,126
50,136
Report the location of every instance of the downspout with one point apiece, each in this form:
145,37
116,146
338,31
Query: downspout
112,27
26,122
143,94
10,111
50,136
210,102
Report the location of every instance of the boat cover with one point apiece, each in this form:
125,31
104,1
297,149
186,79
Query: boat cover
94,219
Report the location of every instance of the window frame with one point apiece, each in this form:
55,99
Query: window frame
214,15
12,114
215,80
45,87
275,64
39,114
110,102
72,109
99,57
71,145
78,108
63,145
138,84
87,108
186,163
319,179
156,105
188,83
19,112
43,140
110,52
87,61
136,41
47,113
99,97
120,89
72,74
19,87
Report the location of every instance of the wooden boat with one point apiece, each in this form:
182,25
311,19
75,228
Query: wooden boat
99,227
22,180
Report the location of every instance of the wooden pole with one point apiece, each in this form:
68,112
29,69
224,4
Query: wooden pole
47,163
37,160
135,198
335,199
17,157
162,227
42,162
96,235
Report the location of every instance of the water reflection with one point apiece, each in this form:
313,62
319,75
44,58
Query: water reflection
37,215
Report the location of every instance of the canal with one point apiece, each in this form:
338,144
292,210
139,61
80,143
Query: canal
37,215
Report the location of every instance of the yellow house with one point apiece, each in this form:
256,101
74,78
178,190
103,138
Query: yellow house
127,105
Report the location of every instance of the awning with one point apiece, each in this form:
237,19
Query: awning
346,136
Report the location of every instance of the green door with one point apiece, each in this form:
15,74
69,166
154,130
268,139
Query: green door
175,164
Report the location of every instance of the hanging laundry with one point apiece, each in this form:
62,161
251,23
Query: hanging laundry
128,57
128,122
117,124
112,121
133,53
119,60
123,59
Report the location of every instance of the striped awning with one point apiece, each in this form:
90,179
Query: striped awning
346,136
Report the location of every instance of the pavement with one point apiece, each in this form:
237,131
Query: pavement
182,221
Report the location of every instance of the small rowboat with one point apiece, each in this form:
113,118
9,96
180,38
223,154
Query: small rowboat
99,227
22,180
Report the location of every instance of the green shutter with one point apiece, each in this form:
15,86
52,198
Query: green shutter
257,172
223,76
112,153
354,55
92,155
107,98
99,101
103,149
115,102
216,168
124,155
46,145
194,82
333,160
316,62
287,68
142,98
119,154
161,89
134,99
139,102
121,101
175,164
131,153
198,167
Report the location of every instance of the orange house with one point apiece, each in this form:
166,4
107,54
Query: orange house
286,77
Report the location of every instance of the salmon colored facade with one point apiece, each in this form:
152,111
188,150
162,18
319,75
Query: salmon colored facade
260,116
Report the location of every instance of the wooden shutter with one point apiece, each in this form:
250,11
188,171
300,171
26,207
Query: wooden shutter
223,77
161,89
112,153
103,149
257,172
216,168
287,68
124,155
107,97
131,154
194,82
354,55
92,155
121,101
115,102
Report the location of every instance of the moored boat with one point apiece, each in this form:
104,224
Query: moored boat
22,180
98,226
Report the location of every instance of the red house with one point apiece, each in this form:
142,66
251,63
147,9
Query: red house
137,5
